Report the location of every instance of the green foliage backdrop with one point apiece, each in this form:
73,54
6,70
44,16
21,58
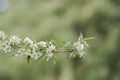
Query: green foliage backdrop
62,20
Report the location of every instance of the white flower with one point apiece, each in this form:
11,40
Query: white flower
32,52
28,40
50,55
2,35
34,46
50,48
23,51
42,44
5,46
49,51
80,46
20,52
14,40
36,55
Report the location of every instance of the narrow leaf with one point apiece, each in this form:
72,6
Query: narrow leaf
28,59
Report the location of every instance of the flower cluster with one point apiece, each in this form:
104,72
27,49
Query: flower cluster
36,50
80,46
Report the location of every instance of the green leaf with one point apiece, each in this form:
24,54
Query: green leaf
68,43
28,59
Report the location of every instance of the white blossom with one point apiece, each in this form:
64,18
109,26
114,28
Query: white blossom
2,35
31,51
14,40
5,46
50,48
36,55
28,40
49,51
50,55
20,52
34,46
23,51
42,44
80,46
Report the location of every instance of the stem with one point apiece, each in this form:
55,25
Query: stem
63,51
89,38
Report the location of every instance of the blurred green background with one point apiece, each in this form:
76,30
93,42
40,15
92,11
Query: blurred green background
62,20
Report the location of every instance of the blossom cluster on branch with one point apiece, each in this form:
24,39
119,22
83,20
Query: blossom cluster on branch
37,50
